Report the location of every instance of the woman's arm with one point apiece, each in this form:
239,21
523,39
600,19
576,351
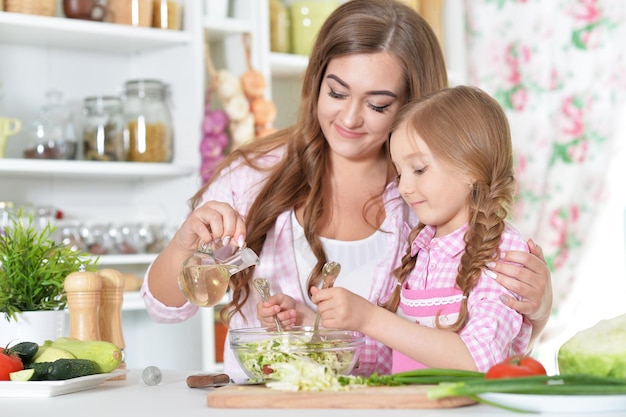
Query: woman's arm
532,281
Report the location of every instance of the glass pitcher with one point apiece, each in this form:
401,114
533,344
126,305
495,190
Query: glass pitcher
205,275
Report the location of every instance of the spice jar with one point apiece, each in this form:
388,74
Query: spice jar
148,122
103,134
167,14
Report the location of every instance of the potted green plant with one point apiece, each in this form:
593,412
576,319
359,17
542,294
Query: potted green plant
33,267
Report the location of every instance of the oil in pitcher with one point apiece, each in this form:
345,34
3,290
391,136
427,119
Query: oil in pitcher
205,275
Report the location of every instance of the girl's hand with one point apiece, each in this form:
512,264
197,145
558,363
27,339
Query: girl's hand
280,305
531,281
341,309
211,222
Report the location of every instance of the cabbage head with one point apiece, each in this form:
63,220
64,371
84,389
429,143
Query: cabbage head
599,350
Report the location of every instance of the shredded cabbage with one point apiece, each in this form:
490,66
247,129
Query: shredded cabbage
305,375
265,356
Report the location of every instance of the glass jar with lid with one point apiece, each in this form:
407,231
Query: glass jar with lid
51,135
103,133
130,12
150,136
167,14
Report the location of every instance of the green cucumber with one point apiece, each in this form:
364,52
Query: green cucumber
23,375
25,350
62,369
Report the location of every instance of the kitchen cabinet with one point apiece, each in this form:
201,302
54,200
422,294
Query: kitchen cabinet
81,59
84,58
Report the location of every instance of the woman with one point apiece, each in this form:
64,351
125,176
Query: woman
323,188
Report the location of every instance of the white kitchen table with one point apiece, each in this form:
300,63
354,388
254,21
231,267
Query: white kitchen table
172,398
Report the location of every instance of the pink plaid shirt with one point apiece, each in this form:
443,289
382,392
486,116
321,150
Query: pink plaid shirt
239,185
494,331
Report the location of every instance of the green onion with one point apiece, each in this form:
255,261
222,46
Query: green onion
575,384
425,376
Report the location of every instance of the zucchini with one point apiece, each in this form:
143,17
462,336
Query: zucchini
25,350
62,369
105,355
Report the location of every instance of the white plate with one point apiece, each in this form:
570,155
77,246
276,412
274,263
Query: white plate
17,389
559,403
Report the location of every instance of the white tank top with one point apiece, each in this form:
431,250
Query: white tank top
358,259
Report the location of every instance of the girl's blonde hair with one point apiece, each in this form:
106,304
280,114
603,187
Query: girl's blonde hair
466,129
355,27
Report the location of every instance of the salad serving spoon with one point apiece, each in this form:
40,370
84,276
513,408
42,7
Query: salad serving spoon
262,285
330,270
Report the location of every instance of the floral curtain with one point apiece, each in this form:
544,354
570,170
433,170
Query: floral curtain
558,68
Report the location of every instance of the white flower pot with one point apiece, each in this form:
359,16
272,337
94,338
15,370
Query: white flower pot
32,326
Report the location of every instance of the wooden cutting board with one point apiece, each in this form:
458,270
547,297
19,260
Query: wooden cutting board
407,396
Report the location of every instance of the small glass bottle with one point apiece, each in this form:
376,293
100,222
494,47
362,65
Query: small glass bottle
205,275
148,120
103,134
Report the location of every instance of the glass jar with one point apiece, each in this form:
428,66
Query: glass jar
280,36
148,122
129,12
103,133
167,14
52,135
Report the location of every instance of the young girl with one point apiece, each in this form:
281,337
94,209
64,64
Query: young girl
453,154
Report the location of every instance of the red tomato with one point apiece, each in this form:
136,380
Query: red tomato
516,366
9,363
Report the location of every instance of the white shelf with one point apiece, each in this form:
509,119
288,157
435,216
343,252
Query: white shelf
88,169
60,32
132,301
288,65
220,28
138,259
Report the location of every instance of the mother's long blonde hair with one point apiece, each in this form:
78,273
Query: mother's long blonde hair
355,27
466,129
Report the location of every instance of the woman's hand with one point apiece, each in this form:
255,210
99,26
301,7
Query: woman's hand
212,222
531,281
206,224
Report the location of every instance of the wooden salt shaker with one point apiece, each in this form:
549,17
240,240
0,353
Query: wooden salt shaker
83,302
110,315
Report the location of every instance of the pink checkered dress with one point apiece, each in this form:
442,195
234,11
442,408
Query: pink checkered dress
493,332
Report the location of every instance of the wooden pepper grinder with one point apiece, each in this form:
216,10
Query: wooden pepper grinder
83,302
110,315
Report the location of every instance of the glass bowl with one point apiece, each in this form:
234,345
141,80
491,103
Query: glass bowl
257,349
